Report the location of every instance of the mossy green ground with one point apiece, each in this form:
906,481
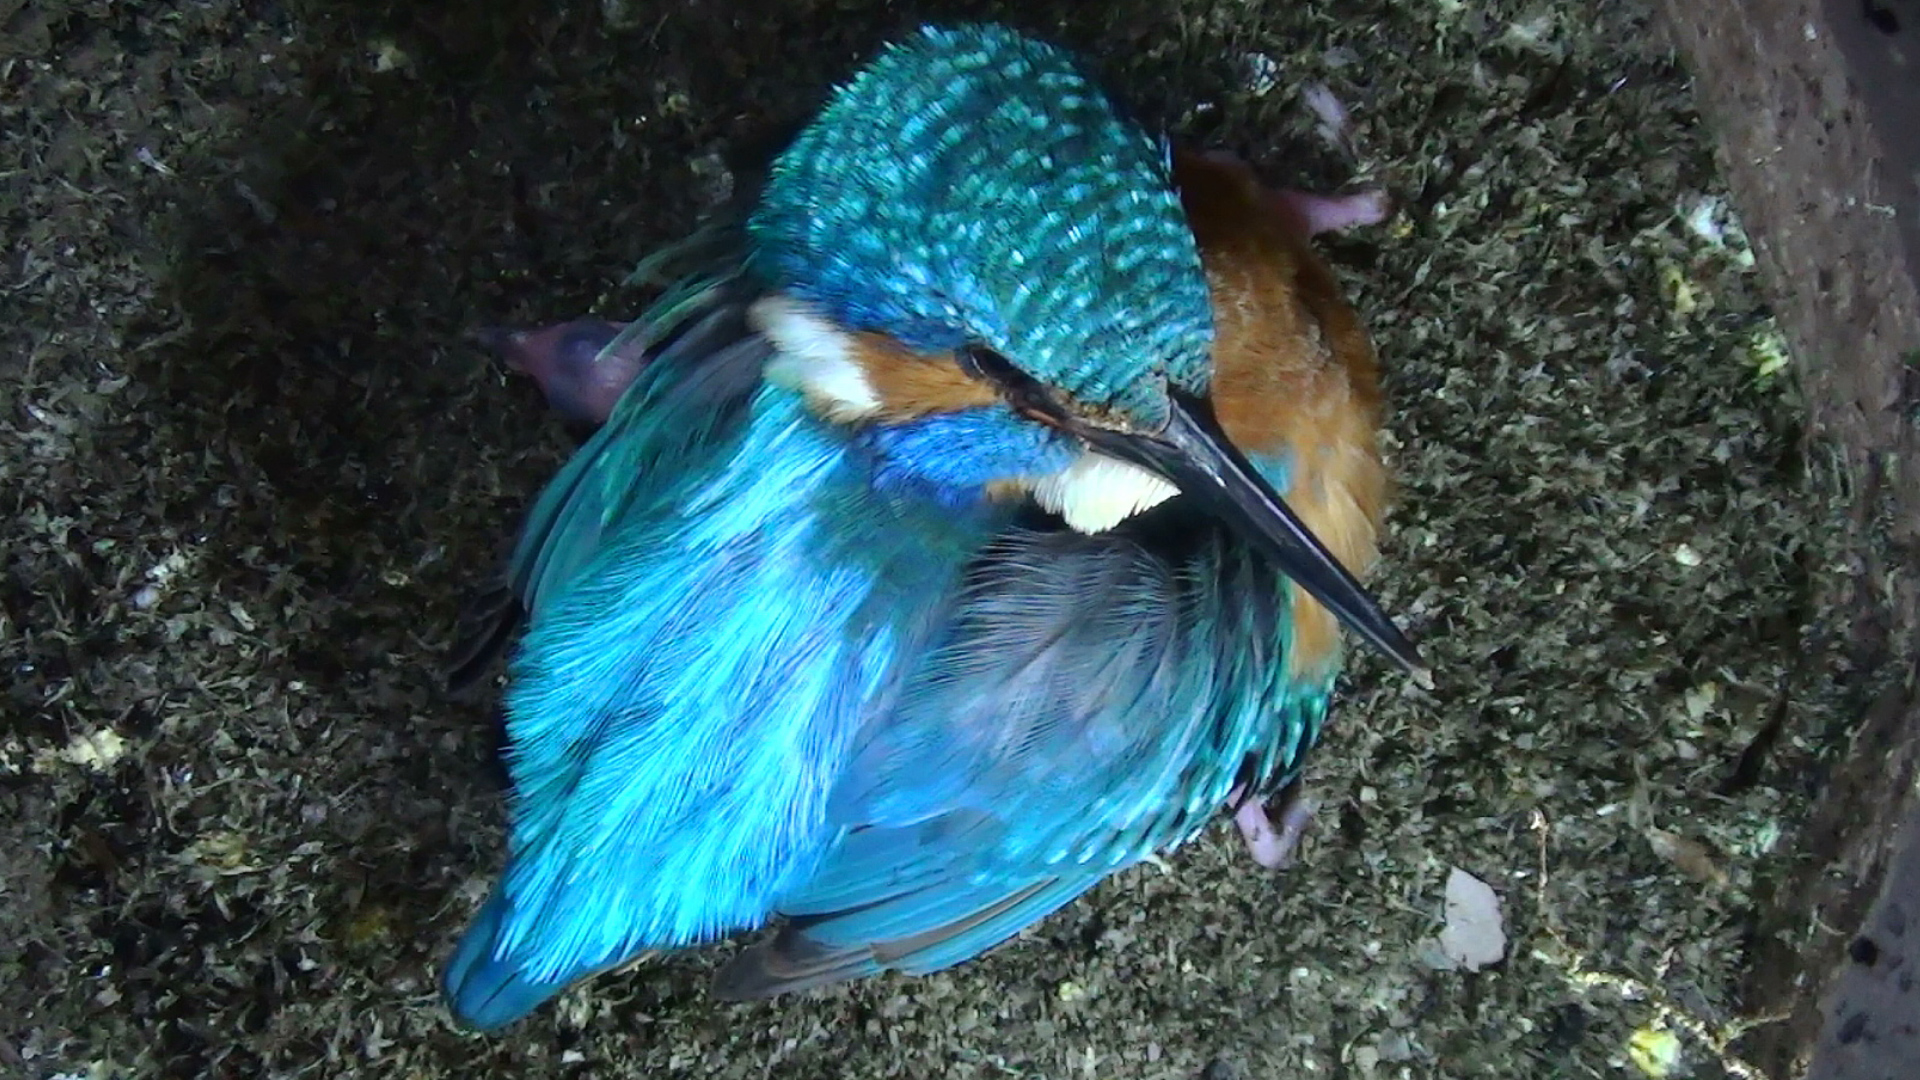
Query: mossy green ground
251,466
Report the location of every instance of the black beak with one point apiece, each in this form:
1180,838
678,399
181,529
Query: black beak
1194,455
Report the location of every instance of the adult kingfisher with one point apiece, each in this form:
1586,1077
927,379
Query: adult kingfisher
974,517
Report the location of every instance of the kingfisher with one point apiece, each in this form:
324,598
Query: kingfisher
974,516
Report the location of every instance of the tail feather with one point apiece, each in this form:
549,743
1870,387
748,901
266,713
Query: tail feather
483,990
487,991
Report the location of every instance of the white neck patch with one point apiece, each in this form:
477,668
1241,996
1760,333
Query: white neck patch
815,357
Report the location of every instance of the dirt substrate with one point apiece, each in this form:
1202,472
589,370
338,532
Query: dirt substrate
1815,105
250,468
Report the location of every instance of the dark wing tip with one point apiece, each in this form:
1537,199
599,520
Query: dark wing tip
487,623
789,962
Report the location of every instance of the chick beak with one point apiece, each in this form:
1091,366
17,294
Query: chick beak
1193,454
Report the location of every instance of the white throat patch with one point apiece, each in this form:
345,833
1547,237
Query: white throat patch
1097,492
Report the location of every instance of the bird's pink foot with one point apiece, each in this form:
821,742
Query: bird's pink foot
566,361
1273,843
1311,214
1315,214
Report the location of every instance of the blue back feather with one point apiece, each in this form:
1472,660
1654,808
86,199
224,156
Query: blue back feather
1092,701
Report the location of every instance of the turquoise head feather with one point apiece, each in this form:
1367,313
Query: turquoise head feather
972,186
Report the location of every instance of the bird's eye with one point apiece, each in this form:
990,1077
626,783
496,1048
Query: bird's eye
1025,394
972,360
987,365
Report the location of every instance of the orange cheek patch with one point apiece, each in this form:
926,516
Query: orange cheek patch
910,385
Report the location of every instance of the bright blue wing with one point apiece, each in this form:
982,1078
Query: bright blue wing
1093,700
719,598
683,413
703,370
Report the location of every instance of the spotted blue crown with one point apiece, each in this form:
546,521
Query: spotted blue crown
971,185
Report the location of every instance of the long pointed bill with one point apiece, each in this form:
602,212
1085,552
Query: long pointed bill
1194,455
